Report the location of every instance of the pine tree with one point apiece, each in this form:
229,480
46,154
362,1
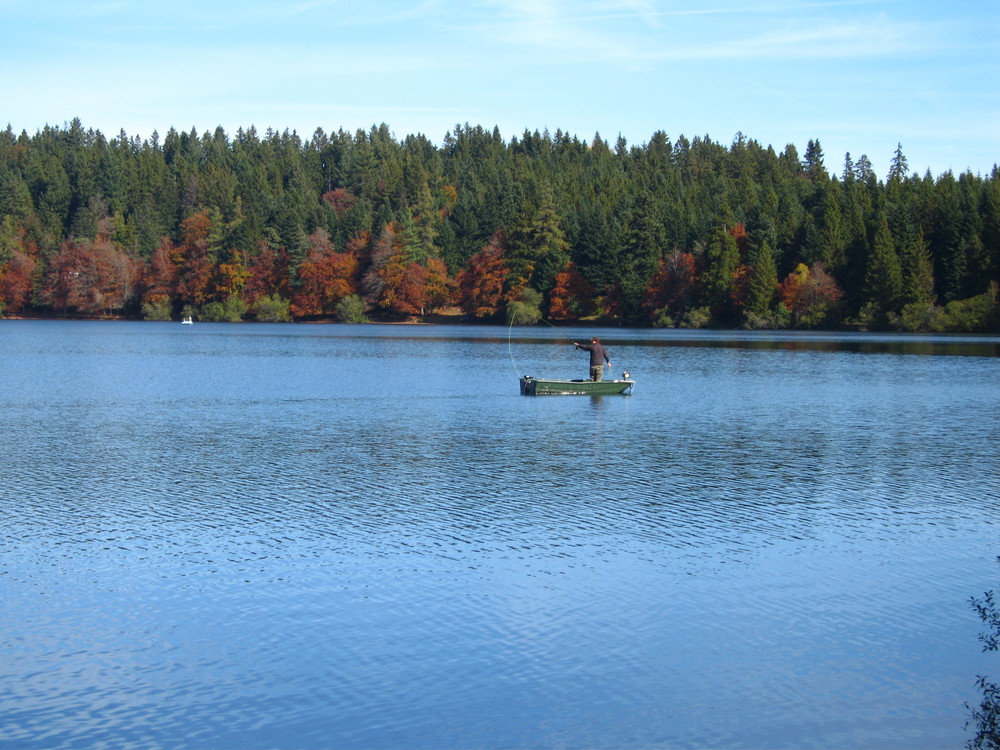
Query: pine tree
812,163
641,252
918,311
918,273
722,260
899,168
763,282
883,277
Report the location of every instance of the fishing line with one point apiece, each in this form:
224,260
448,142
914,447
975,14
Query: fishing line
510,351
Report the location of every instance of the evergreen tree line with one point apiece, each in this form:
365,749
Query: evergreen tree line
362,225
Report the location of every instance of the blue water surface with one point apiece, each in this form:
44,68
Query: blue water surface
334,536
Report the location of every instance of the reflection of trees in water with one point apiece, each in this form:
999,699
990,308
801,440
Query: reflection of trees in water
987,716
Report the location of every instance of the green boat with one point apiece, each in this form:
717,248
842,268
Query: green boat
531,386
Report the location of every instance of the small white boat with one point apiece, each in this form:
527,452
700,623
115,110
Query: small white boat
187,321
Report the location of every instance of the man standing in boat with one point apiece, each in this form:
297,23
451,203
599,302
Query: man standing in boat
598,356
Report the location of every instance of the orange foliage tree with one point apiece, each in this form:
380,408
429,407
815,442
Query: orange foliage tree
439,285
325,277
398,284
15,281
192,257
161,273
90,277
268,274
481,283
410,297
572,296
340,200
810,293
674,287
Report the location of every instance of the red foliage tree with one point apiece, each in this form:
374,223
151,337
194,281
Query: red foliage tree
809,290
410,296
269,274
161,273
326,277
572,296
340,200
89,277
193,261
15,281
481,283
385,267
674,287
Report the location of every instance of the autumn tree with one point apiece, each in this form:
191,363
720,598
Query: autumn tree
674,287
572,296
325,278
481,283
194,258
89,278
231,275
15,282
410,297
811,295
160,277
439,286
269,274
387,264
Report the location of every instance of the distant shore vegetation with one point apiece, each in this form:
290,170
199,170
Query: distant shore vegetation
364,226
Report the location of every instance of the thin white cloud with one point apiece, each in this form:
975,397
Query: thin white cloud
557,28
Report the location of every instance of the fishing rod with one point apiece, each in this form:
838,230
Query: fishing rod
530,386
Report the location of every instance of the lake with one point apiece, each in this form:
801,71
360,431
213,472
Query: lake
336,536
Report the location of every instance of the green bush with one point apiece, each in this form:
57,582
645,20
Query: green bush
351,309
525,311
273,309
158,310
230,311
698,317
919,316
974,314
771,320
661,319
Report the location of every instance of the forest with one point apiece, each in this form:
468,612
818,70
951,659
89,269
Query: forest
365,226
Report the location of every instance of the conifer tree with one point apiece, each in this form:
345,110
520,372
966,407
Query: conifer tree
918,273
899,168
722,260
763,282
642,247
883,277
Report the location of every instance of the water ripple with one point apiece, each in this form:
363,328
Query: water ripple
225,547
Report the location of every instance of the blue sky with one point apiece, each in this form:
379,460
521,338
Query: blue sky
858,75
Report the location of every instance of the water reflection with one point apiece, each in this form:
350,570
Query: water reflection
866,343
